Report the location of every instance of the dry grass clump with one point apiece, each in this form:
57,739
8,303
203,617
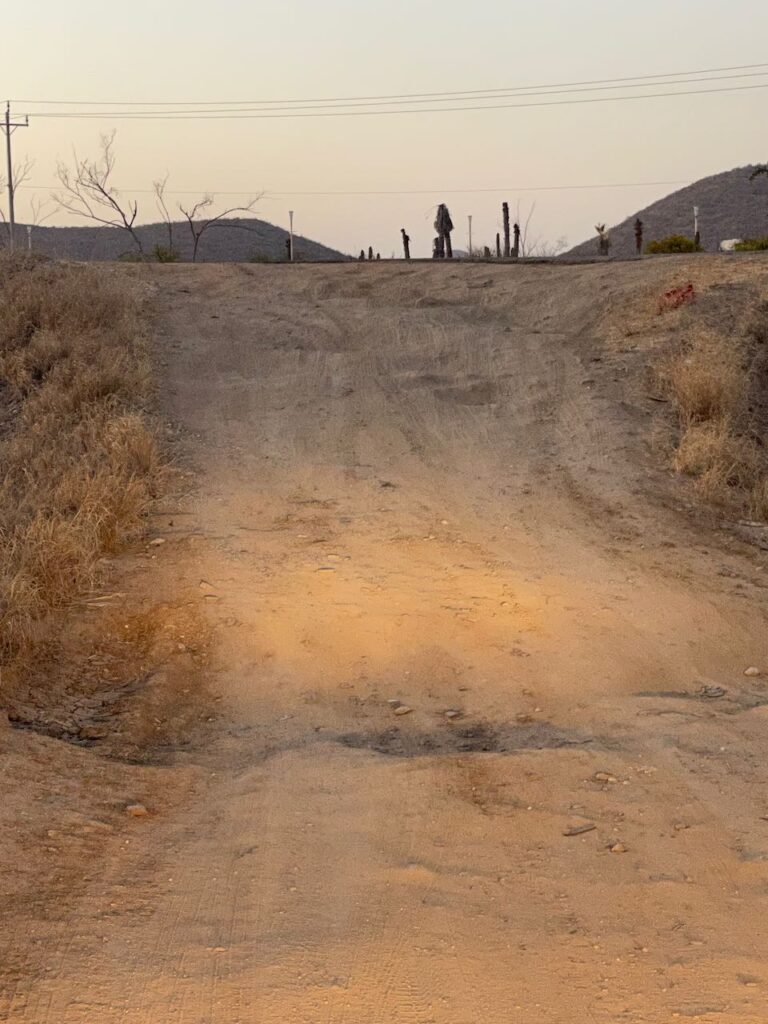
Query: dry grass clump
80,462
711,383
707,379
721,460
759,500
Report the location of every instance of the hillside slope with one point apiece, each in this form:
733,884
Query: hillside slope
478,741
234,240
730,206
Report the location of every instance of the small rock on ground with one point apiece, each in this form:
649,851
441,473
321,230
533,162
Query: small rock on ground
136,811
712,692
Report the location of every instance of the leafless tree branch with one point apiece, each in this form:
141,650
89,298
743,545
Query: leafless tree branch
199,225
87,191
543,249
40,211
526,245
21,173
159,187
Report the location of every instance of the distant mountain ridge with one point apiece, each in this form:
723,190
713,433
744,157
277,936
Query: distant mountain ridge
234,240
730,206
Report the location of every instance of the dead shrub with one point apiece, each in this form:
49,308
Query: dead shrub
80,459
710,381
758,500
706,379
718,457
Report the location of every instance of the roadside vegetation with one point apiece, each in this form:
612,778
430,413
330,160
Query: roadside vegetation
753,245
80,459
671,245
719,385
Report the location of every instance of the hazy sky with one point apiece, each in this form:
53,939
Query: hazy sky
285,49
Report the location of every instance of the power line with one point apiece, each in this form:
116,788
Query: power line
396,96
467,191
240,115
156,114
268,194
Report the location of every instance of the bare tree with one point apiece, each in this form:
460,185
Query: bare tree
199,224
159,187
87,191
543,249
21,173
39,210
534,246
168,255
527,243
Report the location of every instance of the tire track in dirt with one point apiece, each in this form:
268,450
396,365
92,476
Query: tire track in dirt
392,504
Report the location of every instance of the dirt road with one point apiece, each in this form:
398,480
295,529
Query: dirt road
460,610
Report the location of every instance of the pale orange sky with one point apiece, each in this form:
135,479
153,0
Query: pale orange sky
185,52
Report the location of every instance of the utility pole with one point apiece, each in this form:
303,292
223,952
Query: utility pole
470,235
290,217
9,127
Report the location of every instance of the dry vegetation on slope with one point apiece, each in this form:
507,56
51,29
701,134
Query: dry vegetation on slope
79,456
713,380
707,355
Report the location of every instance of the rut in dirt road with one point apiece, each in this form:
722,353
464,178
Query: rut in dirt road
450,597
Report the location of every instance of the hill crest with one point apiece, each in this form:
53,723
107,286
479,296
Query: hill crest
730,206
234,240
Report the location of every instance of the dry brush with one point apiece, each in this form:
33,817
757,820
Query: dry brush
80,458
719,385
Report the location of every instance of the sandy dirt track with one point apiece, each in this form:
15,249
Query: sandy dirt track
431,485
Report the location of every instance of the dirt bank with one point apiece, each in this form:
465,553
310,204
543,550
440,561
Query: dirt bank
461,608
